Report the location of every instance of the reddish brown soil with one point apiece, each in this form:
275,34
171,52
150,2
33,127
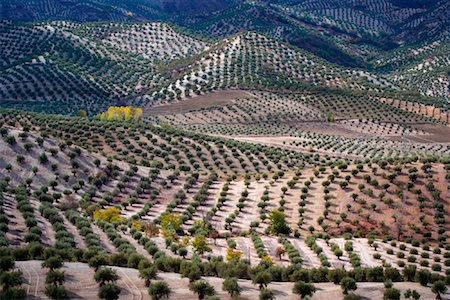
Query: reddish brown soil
218,98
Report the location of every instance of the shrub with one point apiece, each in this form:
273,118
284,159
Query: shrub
266,294
391,294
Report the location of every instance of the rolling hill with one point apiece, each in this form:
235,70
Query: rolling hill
88,65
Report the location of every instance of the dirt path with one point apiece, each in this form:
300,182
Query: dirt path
248,250
271,244
133,291
32,273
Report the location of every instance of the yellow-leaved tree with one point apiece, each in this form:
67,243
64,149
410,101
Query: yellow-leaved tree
136,225
233,254
110,214
170,224
200,244
121,113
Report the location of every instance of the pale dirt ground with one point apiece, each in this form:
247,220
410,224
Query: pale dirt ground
80,284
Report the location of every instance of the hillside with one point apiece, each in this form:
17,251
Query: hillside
357,214
169,158
341,31
423,67
106,10
403,20
82,66
90,65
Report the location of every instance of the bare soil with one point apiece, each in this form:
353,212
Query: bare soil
80,284
219,98
437,133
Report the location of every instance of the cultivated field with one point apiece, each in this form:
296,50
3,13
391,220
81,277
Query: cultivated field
138,191
224,149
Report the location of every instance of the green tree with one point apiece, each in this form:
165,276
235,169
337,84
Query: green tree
303,289
330,117
412,294
439,288
336,275
55,277
202,289
200,244
82,113
104,275
148,274
262,279
159,290
348,284
53,262
352,296
278,223
10,279
170,224
6,263
15,293
423,277
231,286
190,270
97,261
57,292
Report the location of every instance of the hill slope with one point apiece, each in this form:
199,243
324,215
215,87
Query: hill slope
92,65
106,10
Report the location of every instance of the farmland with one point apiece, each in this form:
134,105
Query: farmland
224,150
342,213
